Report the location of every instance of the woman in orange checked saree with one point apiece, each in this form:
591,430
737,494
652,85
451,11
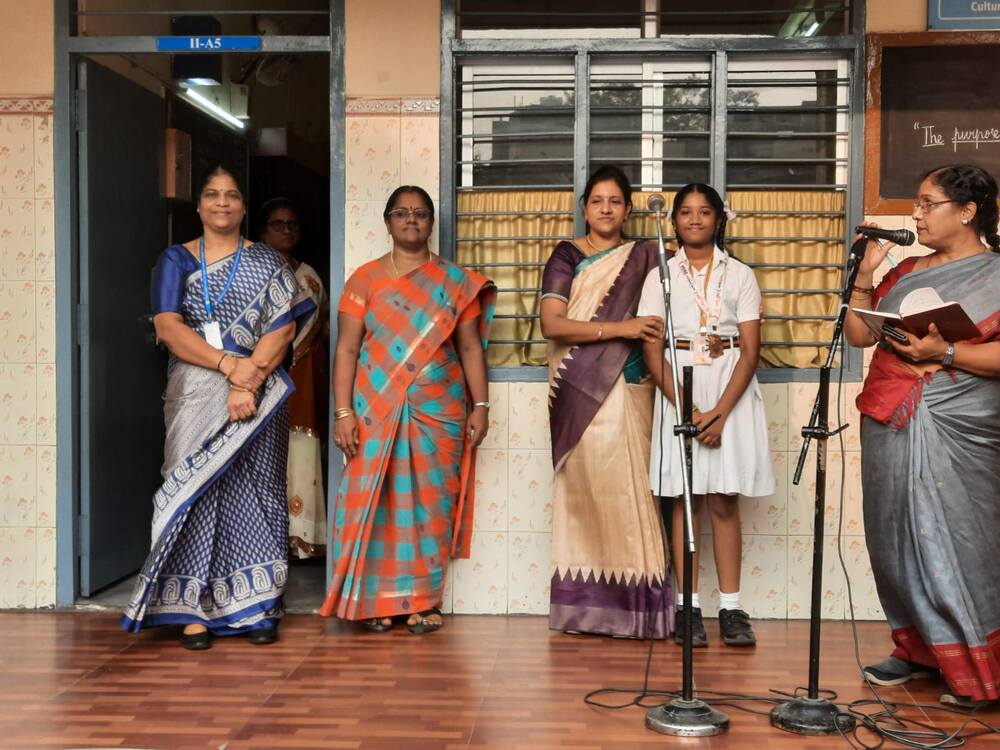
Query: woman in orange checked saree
411,407
610,575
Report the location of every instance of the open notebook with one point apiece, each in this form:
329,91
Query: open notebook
918,310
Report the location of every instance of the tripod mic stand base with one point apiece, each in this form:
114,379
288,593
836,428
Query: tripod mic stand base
815,716
682,718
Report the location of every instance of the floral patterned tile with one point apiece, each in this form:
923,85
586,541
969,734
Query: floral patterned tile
17,155
764,577
46,406
491,490
44,173
45,244
45,489
499,417
17,321
366,237
481,582
530,491
17,566
18,390
420,146
529,416
776,408
373,158
45,321
863,592
800,553
17,239
45,569
768,515
17,485
529,577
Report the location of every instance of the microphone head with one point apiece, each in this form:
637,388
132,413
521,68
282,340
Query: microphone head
904,237
655,202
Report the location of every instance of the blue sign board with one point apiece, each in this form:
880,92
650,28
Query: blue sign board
208,43
963,14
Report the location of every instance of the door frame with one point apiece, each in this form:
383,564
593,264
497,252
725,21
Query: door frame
68,49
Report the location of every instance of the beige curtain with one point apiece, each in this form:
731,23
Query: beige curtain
549,215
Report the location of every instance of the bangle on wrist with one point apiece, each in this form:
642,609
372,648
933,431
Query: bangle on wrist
600,331
949,356
484,404
342,414
221,360
863,289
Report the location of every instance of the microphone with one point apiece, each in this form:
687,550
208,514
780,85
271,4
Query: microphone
655,204
898,236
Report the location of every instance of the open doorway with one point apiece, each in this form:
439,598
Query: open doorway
143,146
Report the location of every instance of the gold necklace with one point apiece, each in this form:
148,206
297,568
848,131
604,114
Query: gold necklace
392,261
595,248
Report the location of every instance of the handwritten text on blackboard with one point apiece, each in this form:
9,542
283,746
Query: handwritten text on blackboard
969,137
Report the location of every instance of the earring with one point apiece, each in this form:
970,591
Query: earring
965,221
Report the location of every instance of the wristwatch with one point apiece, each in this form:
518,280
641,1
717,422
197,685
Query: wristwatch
949,356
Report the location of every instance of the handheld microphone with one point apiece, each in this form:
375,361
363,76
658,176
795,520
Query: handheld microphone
655,204
898,236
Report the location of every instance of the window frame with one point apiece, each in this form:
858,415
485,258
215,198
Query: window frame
455,51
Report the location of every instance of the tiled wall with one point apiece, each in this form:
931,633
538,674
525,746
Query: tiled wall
27,355
395,141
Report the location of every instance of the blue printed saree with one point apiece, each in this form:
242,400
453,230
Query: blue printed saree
220,522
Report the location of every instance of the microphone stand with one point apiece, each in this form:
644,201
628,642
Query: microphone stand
812,714
686,716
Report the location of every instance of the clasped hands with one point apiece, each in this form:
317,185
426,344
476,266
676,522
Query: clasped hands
245,378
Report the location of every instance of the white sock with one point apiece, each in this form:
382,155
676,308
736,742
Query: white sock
695,602
729,601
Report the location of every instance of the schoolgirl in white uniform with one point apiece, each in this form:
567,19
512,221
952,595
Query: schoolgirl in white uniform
716,307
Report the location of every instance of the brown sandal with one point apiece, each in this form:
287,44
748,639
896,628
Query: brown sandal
377,625
422,625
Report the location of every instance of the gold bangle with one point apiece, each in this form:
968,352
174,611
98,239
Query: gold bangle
342,414
221,360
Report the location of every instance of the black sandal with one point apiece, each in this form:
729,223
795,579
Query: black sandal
376,625
423,626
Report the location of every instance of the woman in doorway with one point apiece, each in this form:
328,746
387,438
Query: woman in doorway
307,406
608,557
716,306
409,382
227,313
930,445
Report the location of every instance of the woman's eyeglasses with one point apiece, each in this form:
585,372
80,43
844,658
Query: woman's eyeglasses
401,214
926,207
283,226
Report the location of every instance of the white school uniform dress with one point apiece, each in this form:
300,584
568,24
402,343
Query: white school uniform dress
742,463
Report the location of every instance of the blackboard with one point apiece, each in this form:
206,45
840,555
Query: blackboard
933,99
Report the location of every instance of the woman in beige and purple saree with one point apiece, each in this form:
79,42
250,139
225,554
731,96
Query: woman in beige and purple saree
610,575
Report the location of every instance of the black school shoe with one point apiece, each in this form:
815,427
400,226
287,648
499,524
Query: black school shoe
196,641
262,636
699,638
734,625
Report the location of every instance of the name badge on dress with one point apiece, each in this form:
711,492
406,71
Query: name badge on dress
701,350
213,334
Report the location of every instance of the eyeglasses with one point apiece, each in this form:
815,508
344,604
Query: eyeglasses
401,214
925,207
283,226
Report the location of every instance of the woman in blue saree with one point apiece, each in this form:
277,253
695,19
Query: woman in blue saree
227,313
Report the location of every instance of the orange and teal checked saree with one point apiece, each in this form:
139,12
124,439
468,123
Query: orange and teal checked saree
404,506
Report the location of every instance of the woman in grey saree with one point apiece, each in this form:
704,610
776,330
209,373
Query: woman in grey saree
931,447
219,539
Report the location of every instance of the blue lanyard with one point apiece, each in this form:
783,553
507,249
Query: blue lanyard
209,307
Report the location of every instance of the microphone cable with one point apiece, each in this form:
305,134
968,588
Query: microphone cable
887,722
